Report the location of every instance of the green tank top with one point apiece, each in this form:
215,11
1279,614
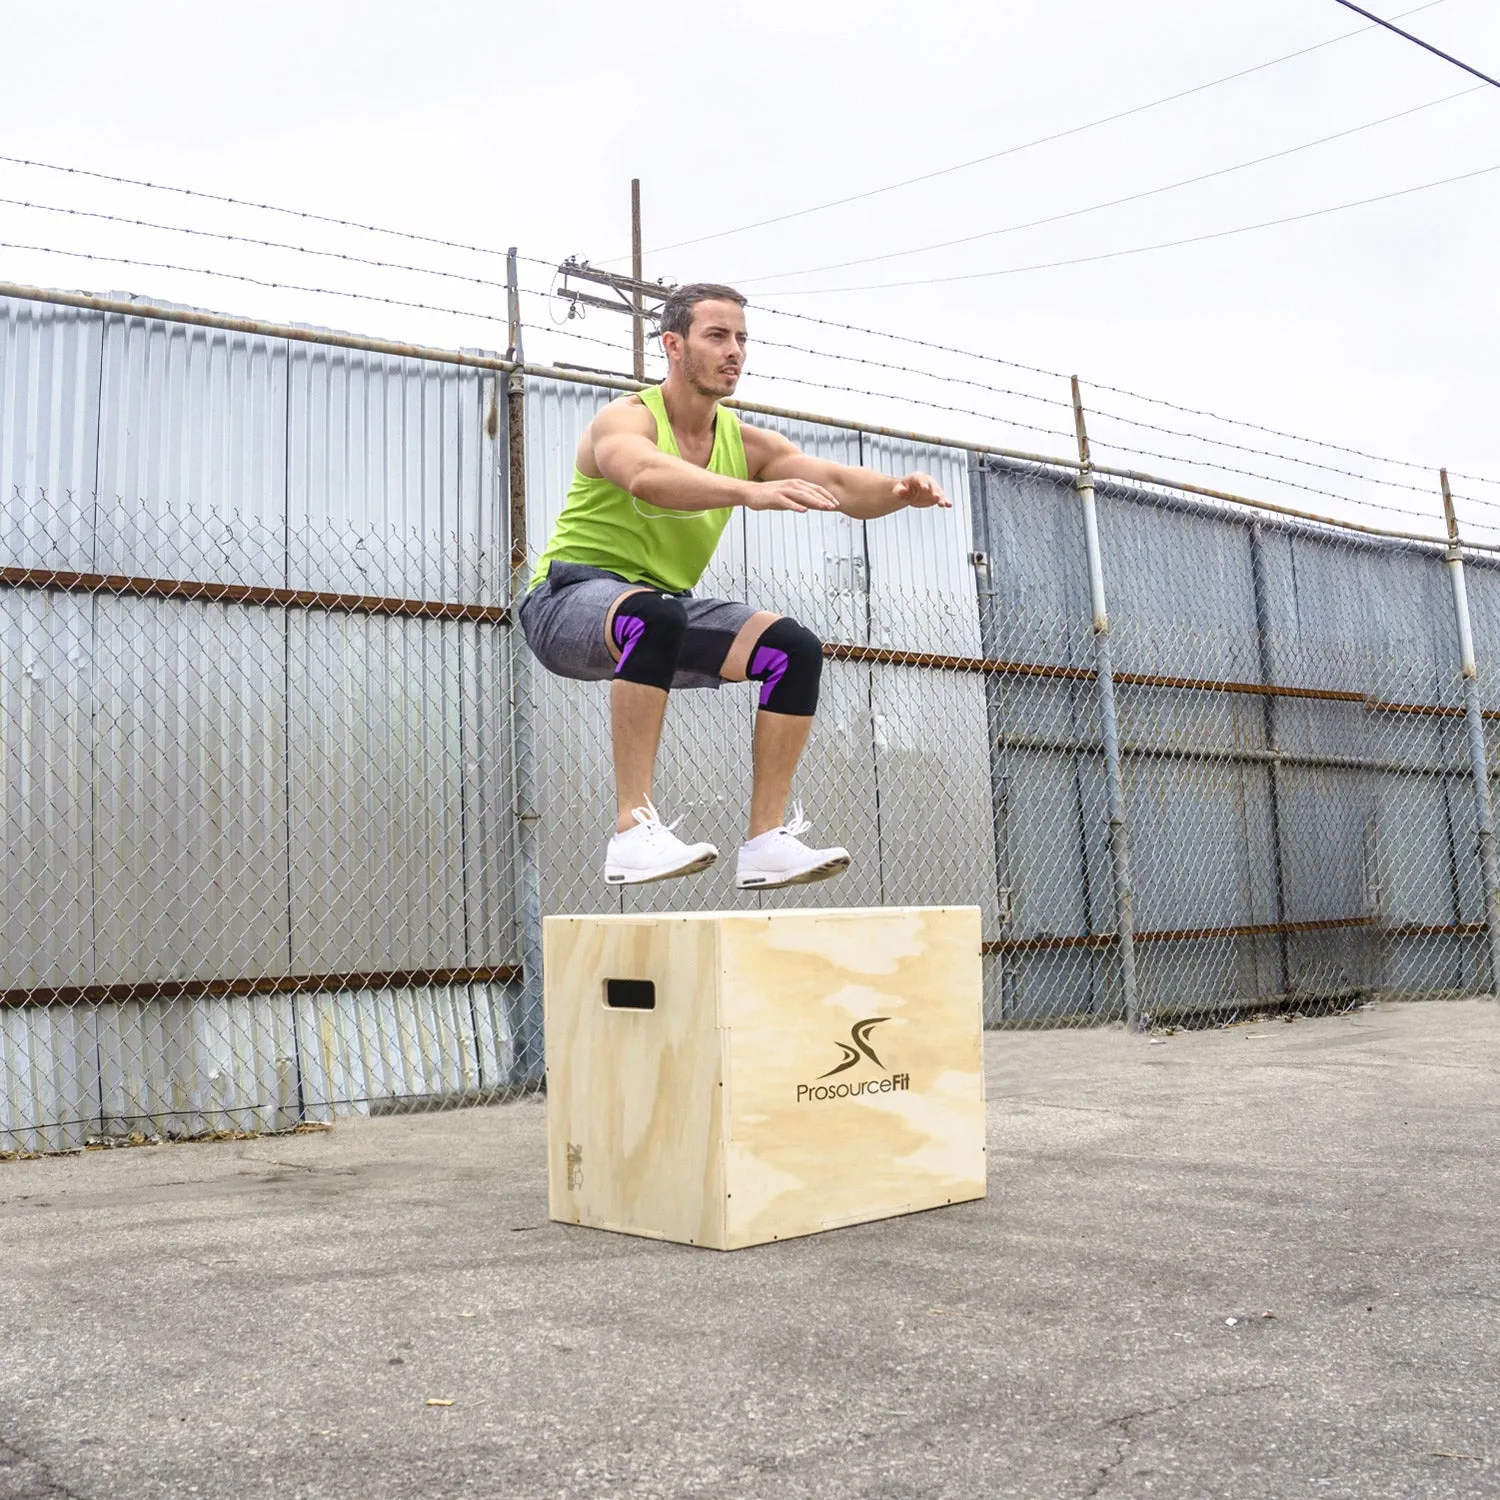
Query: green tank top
606,527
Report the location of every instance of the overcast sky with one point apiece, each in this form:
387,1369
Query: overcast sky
523,124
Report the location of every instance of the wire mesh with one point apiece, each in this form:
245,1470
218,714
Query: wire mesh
285,796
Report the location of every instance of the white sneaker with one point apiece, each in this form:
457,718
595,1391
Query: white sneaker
651,851
781,858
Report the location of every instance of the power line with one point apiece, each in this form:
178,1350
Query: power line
295,213
976,161
1436,51
1196,239
1075,213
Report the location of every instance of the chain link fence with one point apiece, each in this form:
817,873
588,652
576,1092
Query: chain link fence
285,797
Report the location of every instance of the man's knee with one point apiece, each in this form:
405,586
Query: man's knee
648,629
787,661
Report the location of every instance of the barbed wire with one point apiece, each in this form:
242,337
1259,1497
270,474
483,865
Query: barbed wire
282,286
810,383
854,390
1100,443
1291,458
1294,484
1355,503
551,265
274,208
240,239
768,343
908,339
878,364
758,374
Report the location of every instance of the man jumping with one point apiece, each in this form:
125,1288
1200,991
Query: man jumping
657,477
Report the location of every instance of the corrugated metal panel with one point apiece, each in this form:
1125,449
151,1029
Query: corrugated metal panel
49,1078
377,774
1358,618
1180,589
1482,580
838,786
1327,821
192,460
575,794
494,1006
937,827
703,776
190,805
811,565
1035,599
490,844
922,585
367,1047
574,782
556,414
186,1067
46,706
394,482
1047,782
49,434
1333,963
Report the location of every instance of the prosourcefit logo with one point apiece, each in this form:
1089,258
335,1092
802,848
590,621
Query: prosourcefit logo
856,1050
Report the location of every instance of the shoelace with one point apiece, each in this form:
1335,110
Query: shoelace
650,820
796,825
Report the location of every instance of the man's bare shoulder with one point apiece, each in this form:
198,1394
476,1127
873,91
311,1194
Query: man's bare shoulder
762,444
626,413
625,417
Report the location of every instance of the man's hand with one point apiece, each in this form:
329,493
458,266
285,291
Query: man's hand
790,494
921,491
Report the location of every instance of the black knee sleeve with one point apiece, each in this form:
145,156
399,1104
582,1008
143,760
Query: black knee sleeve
788,661
648,629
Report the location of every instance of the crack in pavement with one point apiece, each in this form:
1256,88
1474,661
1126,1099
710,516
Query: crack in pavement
56,1489
1123,1423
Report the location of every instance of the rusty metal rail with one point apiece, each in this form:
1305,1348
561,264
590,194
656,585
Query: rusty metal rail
285,984
59,581
985,666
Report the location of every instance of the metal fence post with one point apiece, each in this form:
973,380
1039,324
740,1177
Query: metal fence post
1119,833
513,309
1484,816
526,1018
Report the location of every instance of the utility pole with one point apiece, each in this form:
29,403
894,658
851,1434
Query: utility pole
638,329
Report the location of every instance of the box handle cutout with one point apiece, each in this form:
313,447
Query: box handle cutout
630,994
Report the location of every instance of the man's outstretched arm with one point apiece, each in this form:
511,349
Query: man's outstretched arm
860,493
626,456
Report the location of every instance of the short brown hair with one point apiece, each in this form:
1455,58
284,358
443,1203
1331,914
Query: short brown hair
677,310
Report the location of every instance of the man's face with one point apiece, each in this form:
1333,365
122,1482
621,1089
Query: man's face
713,351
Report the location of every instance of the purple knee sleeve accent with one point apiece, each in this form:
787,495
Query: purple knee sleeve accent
628,630
772,663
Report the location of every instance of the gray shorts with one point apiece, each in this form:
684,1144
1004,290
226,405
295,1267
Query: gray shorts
564,616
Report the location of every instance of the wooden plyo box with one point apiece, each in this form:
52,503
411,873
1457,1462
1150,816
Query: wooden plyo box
796,1070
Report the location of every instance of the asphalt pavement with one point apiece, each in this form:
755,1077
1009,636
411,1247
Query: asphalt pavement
1262,1261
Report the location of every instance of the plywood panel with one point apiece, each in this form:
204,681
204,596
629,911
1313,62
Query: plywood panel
634,1097
799,1070
856,1089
